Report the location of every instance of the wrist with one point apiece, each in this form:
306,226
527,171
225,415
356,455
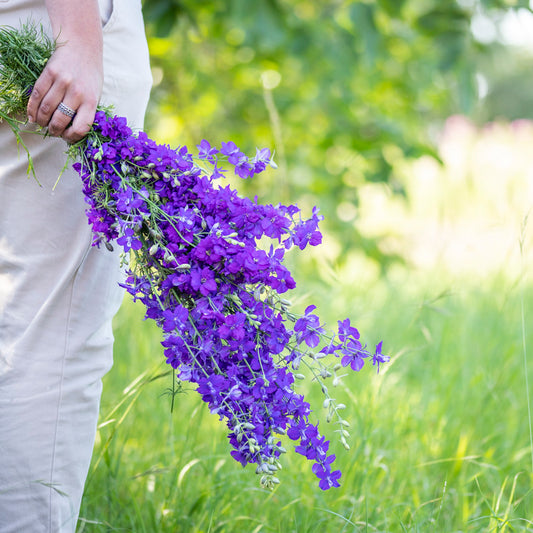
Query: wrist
76,22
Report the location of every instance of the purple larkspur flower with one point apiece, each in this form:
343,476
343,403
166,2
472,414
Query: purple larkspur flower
128,240
206,151
211,288
308,328
378,358
175,318
354,354
203,280
233,327
328,479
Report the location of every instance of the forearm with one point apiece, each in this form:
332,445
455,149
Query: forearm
76,20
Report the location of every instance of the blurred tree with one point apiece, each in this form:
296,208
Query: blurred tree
343,90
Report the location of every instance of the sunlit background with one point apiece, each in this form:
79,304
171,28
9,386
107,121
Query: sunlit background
409,123
410,129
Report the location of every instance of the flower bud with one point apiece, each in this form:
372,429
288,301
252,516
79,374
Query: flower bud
299,376
345,433
345,444
153,249
344,423
169,257
340,406
235,298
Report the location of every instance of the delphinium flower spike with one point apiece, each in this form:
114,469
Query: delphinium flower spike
217,293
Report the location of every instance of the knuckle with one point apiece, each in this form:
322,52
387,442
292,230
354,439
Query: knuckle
43,122
71,137
55,128
80,131
64,81
51,71
74,133
92,102
45,108
76,93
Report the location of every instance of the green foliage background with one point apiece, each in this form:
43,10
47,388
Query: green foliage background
343,90
346,92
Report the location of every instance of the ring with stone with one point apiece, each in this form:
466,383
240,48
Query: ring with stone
66,110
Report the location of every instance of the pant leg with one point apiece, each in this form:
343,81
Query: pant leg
57,299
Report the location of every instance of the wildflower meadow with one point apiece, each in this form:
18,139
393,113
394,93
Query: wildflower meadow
327,252
440,438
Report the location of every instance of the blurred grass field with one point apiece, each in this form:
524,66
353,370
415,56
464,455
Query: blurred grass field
440,439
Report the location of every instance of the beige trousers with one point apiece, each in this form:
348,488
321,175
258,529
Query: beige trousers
58,296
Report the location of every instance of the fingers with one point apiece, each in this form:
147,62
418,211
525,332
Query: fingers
37,112
81,123
60,121
51,89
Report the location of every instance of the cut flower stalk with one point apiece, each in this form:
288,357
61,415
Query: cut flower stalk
198,268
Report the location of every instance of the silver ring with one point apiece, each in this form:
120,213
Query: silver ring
66,110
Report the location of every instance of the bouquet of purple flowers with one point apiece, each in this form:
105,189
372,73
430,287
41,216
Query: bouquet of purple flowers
199,263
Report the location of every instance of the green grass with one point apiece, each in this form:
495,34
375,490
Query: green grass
440,439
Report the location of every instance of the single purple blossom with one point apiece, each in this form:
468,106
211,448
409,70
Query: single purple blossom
354,354
308,328
378,358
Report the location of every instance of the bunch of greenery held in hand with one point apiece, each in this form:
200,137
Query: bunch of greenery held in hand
23,54
215,292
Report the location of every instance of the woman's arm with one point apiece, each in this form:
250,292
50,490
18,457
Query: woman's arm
74,73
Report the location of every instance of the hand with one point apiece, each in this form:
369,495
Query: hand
73,76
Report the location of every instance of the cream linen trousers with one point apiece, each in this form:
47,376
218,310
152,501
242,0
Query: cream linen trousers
58,296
